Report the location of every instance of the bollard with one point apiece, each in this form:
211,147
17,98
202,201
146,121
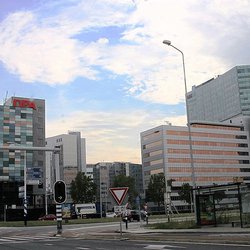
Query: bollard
126,222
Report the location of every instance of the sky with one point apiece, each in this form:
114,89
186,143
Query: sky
103,70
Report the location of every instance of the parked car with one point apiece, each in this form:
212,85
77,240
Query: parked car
48,217
134,215
131,215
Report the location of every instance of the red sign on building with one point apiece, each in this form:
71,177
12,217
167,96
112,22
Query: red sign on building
24,103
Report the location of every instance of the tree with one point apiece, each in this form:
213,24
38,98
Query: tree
156,189
126,181
82,189
185,192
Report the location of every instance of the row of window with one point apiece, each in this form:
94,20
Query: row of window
198,143
224,127
203,170
207,143
205,152
208,161
245,70
207,179
203,134
199,134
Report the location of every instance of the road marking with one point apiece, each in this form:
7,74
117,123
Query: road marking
165,247
5,240
89,227
26,238
82,248
12,238
212,243
154,247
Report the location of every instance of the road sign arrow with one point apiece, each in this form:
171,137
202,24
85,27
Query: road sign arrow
119,194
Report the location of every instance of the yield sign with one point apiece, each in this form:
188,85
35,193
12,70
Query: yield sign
119,194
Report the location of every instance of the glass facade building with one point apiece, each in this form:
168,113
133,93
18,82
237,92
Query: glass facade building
22,123
222,98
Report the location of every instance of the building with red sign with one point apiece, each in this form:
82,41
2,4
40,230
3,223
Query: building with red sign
22,123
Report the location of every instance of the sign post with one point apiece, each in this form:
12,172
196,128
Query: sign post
119,194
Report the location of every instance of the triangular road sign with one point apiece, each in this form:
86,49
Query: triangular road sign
119,194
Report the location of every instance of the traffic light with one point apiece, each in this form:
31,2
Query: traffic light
59,192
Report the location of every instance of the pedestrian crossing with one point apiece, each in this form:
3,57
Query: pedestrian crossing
27,238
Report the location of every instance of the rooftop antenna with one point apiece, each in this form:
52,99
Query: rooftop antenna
168,123
5,99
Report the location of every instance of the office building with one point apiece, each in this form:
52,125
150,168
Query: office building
220,155
22,123
223,98
72,159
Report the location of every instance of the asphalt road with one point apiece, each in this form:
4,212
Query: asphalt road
107,236
79,244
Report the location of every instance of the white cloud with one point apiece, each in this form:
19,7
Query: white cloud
48,48
111,136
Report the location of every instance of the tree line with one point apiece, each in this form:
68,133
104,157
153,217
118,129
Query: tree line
84,190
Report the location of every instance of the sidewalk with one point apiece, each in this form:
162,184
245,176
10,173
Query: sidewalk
227,229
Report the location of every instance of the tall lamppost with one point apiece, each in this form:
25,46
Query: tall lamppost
167,42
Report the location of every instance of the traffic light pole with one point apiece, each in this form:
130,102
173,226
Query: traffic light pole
59,197
59,218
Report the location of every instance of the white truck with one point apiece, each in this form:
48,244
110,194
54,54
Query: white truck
87,210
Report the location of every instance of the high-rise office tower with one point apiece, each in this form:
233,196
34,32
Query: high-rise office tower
224,98
22,124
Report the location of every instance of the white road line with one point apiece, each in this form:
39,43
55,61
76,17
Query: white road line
155,247
82,248
27,239
212,243
89,227
165,247
5,240
13,238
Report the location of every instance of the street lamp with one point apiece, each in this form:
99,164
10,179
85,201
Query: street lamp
167,42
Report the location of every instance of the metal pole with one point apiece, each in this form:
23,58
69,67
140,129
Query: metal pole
121,226
46,197
25,210
4,216
59,218
189,129
189,136
240,204
100,194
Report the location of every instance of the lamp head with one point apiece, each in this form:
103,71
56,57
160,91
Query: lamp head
167,42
